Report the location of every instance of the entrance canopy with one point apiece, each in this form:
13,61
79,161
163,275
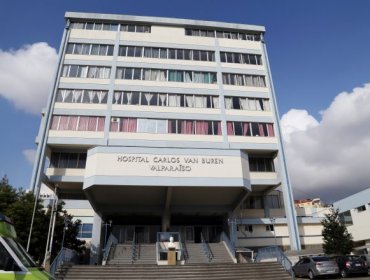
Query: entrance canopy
129,181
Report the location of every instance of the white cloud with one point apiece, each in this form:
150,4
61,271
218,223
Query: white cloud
30,155
26,75
330,158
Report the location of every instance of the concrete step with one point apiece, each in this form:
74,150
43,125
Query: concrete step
222,271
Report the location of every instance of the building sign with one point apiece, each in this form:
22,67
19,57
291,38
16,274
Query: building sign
201,166
170,163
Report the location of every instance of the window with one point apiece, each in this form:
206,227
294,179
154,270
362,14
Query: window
68,160
166,53
135,28
346,218
273,201
253,202
270,228
241,58
166,75
243,80
90,49
261,164
82,96
81,71
246,103
85,231
94,26
248,228
223,34
77,123
361,208
163,126
250,129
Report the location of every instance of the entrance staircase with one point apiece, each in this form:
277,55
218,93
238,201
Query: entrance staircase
219,271
122,254
197,255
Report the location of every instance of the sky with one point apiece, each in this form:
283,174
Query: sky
319,55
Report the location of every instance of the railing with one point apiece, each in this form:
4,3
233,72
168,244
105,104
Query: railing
207,251
65,255
184,250
112,240
231,247
133,249
275,252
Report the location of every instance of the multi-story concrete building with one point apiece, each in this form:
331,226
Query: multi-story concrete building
164,124
354,212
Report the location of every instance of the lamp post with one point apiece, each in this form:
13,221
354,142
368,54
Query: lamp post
273,219
109,223
66,220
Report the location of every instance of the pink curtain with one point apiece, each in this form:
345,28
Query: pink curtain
101,122
124,125
260,129
270,129
246,129
63,124
230,129
114,126
72,124
83,124
219,129
132,124
201,127
183,127
54,122
170,123
189,127
92,124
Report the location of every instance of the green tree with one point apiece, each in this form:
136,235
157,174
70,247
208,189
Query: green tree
337,240
18,206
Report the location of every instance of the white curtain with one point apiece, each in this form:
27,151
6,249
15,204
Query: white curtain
101,95
266,105
228,103
64,94
258,105
91,95
174,100
189,100
129,98
216,102
147,75
200,102
243,103
148,97
76,96
188,77
163,98
117,96
252,104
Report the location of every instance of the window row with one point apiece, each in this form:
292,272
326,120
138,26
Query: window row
243,80
94,26
82,96
67,160
246,103
261,165
90,49
111,27
85,231
250,129
223,34
242,58
77,123
259,202
165,99
82,71
166,53
166,75
197,127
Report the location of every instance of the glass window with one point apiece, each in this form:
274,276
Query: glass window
131,28
172,53
122,51
163,53
70,48
128,73
103,50
130,51
180,54
95,49
138,51
187,54
137,74
110,50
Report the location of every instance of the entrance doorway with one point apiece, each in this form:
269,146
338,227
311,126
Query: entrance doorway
140,235
197,234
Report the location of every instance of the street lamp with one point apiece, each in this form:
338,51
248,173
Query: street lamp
66,221
109,223
273,219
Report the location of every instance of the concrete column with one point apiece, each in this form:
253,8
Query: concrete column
166,220
95,247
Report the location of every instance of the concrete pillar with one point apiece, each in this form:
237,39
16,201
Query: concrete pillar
95,248
166,220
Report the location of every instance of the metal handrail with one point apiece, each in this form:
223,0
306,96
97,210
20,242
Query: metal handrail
64,255
207,251
133,249
112,240
184,250
275,252
225,238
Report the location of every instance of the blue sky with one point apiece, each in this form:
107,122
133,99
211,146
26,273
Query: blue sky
317,50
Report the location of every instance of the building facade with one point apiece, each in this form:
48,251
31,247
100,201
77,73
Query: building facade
163,124
354,212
